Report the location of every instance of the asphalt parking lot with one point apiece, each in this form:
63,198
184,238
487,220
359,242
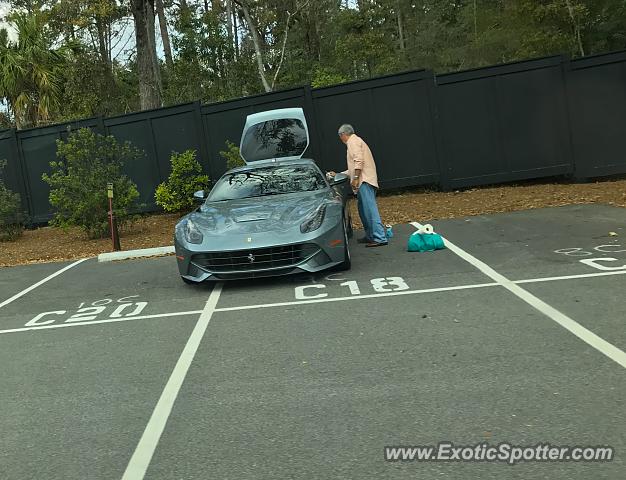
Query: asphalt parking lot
515,333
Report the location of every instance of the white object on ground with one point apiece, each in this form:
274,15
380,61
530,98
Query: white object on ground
428,228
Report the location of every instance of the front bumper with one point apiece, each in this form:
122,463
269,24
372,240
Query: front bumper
311,254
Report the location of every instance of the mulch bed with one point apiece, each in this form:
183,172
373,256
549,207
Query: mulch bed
50,244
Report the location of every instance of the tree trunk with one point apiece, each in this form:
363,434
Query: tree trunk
257,44
235,33
147,66
400,26
475,24
229,27
153,50
103,47
165,36
282,50
216,10
104,50
576,27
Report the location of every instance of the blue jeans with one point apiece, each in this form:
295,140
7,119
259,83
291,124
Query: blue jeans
368,211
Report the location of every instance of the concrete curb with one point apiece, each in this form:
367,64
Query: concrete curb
144,252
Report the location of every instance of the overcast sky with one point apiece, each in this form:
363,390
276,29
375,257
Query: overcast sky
4,8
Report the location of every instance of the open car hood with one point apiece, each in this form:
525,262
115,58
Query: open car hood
274,135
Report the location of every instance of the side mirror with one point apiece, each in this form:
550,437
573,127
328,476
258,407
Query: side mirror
199,196
339,179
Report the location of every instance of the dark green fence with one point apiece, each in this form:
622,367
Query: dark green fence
524,120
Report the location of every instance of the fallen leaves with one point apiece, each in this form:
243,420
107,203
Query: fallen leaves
53,244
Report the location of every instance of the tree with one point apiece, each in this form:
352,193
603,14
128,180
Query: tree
78,182
219,49
31,70
165,36
256,41
150,89
185,178
278,48
100,28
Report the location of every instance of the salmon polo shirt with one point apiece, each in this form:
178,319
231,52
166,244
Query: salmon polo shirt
360,157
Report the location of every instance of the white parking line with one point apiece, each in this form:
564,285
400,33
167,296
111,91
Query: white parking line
566,322
40,282
140,460
571,277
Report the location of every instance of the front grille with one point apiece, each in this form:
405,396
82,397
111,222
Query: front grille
255,259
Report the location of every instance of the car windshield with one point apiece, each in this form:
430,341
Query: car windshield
274,180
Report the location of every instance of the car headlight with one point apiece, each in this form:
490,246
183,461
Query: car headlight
193,233
314,221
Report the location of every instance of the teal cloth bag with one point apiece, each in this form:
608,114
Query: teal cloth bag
425,242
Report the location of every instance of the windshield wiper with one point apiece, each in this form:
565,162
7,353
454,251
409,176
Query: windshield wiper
266,194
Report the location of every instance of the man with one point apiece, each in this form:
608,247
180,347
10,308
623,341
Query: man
364,182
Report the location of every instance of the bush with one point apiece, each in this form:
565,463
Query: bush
186,178
78,182
11,218
232,155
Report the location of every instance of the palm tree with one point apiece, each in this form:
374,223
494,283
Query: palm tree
30,70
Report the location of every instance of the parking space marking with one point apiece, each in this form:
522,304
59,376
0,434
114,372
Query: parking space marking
570,277
604,347
139,462
96,322
92,312
40,282
356,297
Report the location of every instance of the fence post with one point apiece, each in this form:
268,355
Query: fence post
23,169
203,154
14,171
314,137
100,128
576,174
433,94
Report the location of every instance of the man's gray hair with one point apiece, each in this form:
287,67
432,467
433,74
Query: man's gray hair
346,128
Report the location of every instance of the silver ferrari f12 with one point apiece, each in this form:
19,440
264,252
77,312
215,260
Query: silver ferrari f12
278,215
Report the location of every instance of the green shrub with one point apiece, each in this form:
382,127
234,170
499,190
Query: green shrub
186,178
11,217
78,182
232,155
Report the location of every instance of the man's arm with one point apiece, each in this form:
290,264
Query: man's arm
358,158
